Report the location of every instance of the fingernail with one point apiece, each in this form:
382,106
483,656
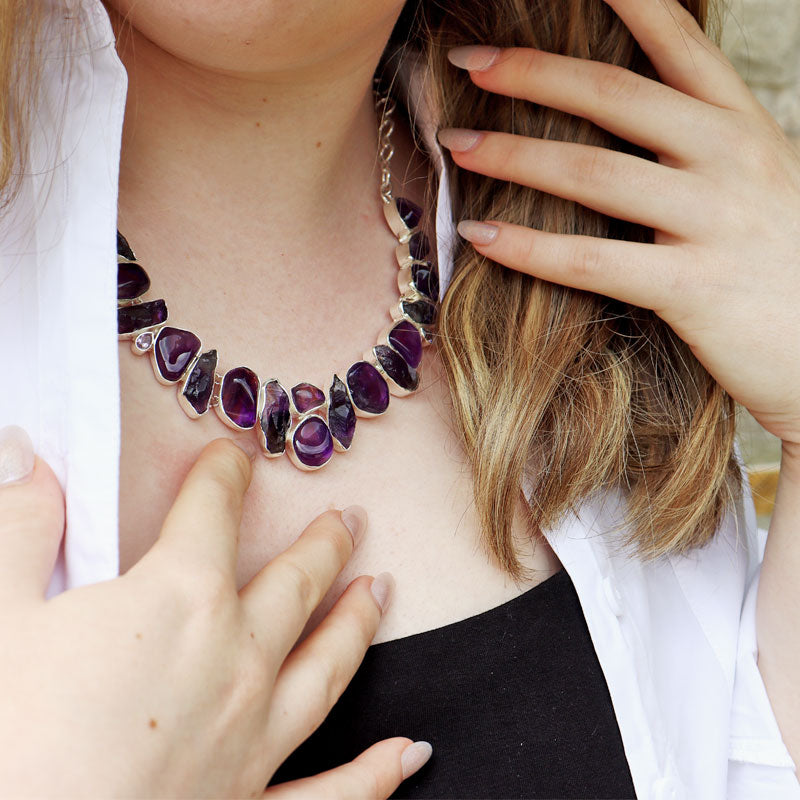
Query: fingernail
382,589
478,232
475,58
248,446
460,140
415,756
16,455
355,518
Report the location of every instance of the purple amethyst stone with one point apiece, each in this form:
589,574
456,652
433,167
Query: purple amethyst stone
239,396
419,247
367,388
312,442
143,315
409,212
200,382
421,311
174,350
396,368
123,248
404,337
132,281
341,415
307,396
426,279
275,417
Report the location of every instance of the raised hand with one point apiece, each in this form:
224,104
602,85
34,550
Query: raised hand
723,198
167,682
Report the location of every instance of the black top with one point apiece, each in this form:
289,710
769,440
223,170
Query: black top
513,701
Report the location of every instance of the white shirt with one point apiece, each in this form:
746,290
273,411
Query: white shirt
675,638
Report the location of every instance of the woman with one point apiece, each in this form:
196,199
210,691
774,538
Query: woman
244,128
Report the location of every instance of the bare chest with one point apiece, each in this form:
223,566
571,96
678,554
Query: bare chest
405,467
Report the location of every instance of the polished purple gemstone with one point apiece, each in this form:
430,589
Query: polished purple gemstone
421,311
174,350
200,382
275,417
367,388
395,366
404,337
144,341
123,248
307,396
426,279
419,247
239,396
341,415
409,212
312,442
132,280
143,315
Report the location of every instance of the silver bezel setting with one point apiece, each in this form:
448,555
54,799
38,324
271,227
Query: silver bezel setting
290,451
187,407
262,401
360,412
394,388
217,401
189,367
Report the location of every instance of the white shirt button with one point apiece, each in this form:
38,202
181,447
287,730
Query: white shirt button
613,597
667,788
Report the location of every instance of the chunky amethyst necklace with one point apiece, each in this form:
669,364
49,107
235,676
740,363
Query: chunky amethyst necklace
303,422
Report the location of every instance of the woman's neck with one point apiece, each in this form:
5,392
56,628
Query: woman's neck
254,199
283,149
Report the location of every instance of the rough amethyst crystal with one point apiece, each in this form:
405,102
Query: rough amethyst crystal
426,279
367,388
307,396
409,212
143,315
199,384
174,350
123,248
132,280
341,415
421,311
239,396
395,366
275,417
312,442
404,337
419,247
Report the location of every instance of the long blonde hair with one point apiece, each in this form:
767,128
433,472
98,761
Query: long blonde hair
585,392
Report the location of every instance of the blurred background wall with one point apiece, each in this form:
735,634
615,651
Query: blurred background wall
762,39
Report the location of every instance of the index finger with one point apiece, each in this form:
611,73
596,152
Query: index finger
202,528
288,589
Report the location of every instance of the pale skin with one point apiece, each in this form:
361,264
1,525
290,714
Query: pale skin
716,273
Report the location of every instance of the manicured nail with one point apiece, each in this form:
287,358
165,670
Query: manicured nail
475,58
248,446
382,589
478,232
16,455
459,140
415,756
355,518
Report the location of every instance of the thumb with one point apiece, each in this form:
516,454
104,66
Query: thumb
31,518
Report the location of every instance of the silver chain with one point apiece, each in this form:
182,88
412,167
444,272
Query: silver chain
385,106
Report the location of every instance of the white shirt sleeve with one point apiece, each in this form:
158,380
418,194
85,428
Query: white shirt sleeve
759,765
